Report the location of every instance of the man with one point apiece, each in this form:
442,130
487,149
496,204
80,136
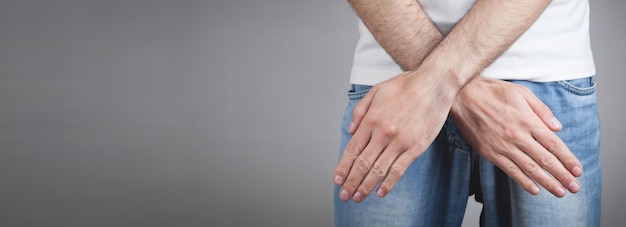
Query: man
504,71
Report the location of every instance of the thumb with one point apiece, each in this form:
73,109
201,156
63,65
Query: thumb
543,111
359,111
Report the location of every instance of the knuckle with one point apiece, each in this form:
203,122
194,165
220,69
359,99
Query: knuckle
531,169
349,185
512,169
527,122
359,109
552,145
396,171
371,119
365,188
392,177
548,161
552,186
565,177
502,153
397,168
389,130
363,165
353,150
378,171
513,133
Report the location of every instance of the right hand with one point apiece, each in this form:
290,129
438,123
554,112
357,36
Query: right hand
511,128
392,126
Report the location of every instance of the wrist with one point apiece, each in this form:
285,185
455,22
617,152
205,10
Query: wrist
465,96
447,83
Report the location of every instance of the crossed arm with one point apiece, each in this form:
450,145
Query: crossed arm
400,117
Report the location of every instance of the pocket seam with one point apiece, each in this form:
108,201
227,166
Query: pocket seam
356,95
577,90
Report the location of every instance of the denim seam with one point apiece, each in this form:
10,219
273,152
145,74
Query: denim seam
577,90
355,95
456,142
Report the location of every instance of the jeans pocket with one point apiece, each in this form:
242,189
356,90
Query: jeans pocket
358,92
584,86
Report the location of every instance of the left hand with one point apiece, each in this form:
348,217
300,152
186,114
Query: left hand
511,128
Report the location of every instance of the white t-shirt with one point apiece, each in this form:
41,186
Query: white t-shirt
556,47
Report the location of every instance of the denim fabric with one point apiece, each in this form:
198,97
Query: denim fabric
435,188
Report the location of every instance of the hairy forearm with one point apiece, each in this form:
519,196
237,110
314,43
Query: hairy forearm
402,28
487,30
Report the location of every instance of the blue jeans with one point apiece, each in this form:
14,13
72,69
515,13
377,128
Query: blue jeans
435,188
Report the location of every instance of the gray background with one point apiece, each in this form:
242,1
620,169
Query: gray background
202,113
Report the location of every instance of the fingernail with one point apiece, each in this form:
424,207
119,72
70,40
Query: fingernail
560,192
573,187
351,126
380,193
577,171
344,195
338,180
555,123
357,197
534,189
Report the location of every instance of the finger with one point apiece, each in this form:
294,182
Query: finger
553,166
534,171
361,167
517,174
377,173
353,149
556,146
397,169
360,109
542,111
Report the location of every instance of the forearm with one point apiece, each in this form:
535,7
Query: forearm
487,30
401,28
406,33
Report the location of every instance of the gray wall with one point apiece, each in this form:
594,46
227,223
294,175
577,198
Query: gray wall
608,35
197,113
